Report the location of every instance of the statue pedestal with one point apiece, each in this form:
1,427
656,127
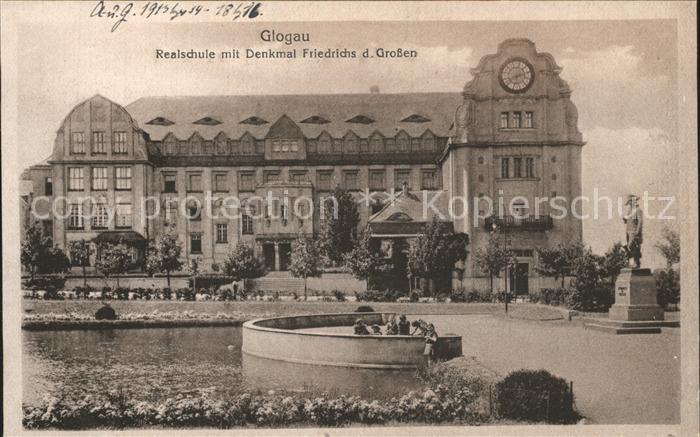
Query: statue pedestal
635,297
636,310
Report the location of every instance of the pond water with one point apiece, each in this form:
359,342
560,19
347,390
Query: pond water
155,364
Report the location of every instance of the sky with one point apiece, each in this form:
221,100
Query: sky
623,75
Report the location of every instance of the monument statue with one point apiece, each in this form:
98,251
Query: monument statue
633,230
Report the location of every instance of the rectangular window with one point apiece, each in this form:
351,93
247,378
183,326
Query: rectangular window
271,176
99,216
195,242
527,121
169,183
505,172
123,215
170,212
298,177
98,143
75,216
504,120
377,180
246,181
99,178
429,180
401,177
529,167
77,142
351,180
195,182
517,167
221,233
119,142
75,179
246,224
48,186
515,120
122,178
220,182
325,179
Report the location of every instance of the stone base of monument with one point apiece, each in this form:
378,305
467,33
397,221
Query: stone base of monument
636,310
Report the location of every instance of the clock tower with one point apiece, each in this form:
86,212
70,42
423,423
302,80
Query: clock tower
515,148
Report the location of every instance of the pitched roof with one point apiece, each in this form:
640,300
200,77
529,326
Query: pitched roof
408,207
387,110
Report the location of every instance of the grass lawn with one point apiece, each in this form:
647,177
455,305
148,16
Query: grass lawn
253,309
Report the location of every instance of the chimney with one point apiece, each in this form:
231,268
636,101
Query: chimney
404,188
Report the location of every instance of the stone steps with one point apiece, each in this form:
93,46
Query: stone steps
629,327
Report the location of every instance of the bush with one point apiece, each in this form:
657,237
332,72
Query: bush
42,283
364,309
535,396
377,296
597,298
479,296
339,295
211,281
551,296
668,287
106,313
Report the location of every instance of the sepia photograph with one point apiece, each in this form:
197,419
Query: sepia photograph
350,218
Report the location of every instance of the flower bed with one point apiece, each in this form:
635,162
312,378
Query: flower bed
450,396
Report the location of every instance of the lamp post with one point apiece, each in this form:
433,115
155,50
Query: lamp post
494,226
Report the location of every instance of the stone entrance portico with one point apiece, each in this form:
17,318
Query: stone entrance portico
276,252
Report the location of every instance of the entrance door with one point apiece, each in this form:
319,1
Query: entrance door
269,255
285,255
518,279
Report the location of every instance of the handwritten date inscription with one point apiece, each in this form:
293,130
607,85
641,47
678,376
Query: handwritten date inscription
121,12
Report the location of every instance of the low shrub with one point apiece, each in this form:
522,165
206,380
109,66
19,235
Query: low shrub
211,282
42,283
377,296
550,296
535,396
364,309
596,298
339,295
479,296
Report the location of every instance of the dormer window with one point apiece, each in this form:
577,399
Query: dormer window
315,119
415,118
207,121
256,121
160,121
360,119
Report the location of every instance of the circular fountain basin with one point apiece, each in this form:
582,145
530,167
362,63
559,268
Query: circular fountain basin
284,339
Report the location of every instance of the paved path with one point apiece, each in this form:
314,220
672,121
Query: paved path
617,378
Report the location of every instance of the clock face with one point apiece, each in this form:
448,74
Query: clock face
517,75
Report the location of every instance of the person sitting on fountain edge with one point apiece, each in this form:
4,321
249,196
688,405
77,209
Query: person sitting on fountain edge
420,327
392,328
376,330
360,328
404,326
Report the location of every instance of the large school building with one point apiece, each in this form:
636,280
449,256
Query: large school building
124,173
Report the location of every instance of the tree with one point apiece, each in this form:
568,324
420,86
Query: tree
614,260
241,263
557,262
164,255
668,280
339,226
362,261
35,249
80,252
114,260
433,254
670,246
493,258
305,261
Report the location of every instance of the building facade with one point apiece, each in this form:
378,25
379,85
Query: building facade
126,173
